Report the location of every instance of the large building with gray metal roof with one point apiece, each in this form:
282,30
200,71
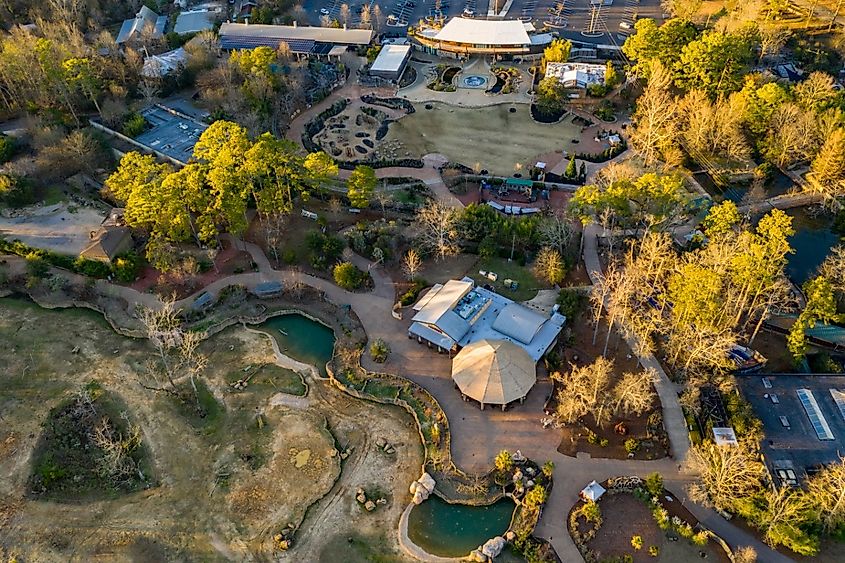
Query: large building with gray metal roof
455,314
302,40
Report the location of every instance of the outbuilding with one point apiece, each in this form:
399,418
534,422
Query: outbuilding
391,62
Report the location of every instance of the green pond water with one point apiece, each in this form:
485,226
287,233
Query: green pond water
453,530
302,339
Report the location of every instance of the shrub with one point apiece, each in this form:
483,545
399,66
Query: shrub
379,350
700,539
504,461
548,469
126,267
535,497
637,542
653,550
654,484
36,267
604,442
91,268
348,276
133,125
289,256
571,302
7,148
592,512
632,445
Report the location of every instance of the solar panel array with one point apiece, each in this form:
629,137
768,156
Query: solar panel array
811,407
839,398
251,42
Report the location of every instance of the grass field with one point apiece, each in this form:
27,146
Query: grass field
528,284
492,136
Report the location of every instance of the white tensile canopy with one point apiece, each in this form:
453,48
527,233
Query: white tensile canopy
494,372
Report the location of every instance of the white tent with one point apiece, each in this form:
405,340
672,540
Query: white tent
593,492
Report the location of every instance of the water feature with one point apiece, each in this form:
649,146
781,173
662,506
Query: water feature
453,530
812,241
302,339
474,81
776,184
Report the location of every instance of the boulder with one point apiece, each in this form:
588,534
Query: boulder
380,443
381,501
493,547
362,498
476,555
420,495
518,457
370,506
427,481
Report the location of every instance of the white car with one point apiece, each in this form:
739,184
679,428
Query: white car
324,11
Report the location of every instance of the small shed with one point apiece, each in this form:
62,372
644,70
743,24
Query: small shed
391,62
724,436
108,243
592,492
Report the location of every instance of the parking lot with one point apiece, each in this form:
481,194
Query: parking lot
615,17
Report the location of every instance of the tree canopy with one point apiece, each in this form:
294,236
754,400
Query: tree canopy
228,173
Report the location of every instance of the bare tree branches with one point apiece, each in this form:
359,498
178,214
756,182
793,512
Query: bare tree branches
438,233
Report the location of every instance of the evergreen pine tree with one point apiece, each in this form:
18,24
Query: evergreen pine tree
571,171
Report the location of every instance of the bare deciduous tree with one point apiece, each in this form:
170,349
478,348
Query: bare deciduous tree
438,233
584,390
745,554
117,462
345,14
411,264
556,232
366,16
634,393
177,349
655,131
726,474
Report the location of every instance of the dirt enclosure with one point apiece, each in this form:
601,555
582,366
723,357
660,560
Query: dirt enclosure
224,484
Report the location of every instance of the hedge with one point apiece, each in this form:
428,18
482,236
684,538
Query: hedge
605,155
402,162
392,103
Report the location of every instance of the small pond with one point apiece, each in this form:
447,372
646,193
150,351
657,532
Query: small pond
453,530
777,184
302,339
812,241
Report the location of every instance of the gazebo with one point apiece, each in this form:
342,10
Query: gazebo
592,492
494,372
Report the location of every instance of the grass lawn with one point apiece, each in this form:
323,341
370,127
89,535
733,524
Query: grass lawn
528,284
493,136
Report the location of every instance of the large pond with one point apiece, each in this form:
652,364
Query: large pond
813,239
453,530
302,339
